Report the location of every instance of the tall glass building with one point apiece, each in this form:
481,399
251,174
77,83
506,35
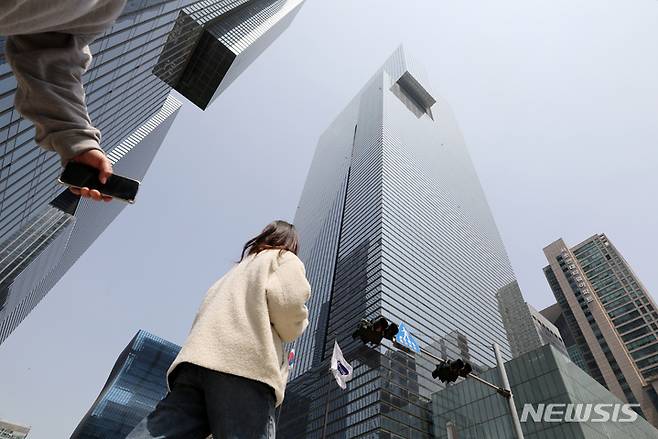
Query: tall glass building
122,94
43,230
39,254
393,222
470,410
612,316
133,389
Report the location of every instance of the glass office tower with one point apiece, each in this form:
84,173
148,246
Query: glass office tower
393,222
612,316
36,256
122,94
42,230
135,385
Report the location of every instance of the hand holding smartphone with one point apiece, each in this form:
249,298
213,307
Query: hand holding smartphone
78,175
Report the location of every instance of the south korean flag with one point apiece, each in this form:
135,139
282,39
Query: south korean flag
340,368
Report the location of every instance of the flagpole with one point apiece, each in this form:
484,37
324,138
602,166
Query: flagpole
341,370
279,409
278,415
326,406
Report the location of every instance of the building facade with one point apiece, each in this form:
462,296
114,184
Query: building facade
470,410
526,328
393,222
611,315
12,431
43,230
133,389
554,315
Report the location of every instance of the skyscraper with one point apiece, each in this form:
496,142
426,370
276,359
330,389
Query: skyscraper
613,318
393,222
526,328
122,94
38,255
43,229
135,385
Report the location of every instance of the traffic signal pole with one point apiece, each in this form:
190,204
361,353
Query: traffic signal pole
505,390
373,332
510,399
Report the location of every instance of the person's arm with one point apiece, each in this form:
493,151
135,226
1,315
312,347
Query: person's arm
287,293
48,68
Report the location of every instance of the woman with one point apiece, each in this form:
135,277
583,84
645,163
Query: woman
232,371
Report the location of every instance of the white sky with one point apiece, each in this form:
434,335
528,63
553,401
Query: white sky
557,101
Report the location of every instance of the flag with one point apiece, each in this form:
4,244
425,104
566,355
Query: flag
291,358
340,368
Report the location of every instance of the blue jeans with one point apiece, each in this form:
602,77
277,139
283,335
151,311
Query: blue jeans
204,402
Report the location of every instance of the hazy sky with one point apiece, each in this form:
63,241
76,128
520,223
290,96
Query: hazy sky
557,101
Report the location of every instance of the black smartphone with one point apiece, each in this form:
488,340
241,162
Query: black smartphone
78,175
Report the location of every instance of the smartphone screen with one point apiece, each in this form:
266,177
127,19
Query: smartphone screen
79,175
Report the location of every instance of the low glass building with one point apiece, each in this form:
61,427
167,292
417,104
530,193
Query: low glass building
135,385
12,431
471,410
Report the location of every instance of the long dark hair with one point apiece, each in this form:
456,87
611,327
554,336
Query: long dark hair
278,234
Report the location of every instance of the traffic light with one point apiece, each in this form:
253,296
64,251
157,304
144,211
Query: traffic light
374,331
449,371
388,329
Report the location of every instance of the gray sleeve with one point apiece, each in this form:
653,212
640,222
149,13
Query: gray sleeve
48,68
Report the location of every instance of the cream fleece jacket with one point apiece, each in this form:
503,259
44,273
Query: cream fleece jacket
47,48
246,317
